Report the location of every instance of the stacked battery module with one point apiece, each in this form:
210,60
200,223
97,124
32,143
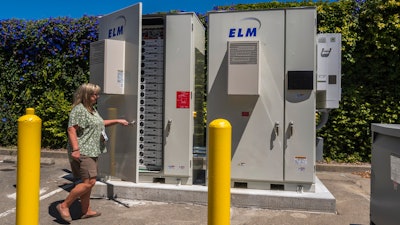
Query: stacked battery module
151,100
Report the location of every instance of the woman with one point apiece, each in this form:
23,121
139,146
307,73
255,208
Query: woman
86,141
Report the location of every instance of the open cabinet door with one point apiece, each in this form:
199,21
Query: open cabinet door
115,66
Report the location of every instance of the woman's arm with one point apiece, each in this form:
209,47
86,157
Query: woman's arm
73,140
115,121
73,137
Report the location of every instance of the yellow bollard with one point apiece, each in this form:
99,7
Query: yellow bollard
219,172
28,168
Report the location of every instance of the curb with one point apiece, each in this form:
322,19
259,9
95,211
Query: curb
43,153
342,168
48,156
43,161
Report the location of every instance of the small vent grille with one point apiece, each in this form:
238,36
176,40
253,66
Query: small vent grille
243,53
97,52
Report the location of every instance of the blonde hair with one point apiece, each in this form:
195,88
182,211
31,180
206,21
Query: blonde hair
83,94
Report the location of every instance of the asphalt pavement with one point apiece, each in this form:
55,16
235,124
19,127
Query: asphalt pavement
349,184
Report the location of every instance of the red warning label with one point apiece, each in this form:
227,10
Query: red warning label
182,99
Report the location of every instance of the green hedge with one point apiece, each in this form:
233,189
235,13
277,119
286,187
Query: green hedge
371,68
42,62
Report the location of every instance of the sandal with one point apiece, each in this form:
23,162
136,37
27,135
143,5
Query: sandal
90,216
65,217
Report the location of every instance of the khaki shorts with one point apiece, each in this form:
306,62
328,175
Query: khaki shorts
85,168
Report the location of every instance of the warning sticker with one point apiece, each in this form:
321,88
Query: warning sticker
182,99
301,162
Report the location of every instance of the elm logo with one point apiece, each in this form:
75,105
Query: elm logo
250,30
119,29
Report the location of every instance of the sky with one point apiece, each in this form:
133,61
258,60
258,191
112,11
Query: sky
42,9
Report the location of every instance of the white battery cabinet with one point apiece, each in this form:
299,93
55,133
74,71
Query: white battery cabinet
271,105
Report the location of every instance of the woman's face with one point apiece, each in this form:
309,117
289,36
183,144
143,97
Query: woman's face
93,98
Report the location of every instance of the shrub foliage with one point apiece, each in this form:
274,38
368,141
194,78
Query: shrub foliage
42,62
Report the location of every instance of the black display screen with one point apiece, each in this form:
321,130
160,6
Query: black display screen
300,80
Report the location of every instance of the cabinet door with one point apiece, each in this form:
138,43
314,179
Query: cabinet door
300,71
121,160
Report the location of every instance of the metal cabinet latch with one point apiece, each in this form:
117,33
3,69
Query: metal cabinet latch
276,128
291,129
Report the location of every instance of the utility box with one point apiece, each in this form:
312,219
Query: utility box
385,174
164,57
271,101
329,70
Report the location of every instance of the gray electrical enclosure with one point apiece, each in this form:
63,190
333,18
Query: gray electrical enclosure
385,174
261,78
329,69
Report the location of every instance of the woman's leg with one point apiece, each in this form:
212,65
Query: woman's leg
78,191
85,199
88,173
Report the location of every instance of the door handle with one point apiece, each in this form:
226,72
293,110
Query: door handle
169,124
276,128
291,128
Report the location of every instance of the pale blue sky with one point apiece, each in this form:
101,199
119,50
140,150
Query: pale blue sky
40,9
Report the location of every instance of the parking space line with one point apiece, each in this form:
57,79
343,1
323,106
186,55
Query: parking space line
13,210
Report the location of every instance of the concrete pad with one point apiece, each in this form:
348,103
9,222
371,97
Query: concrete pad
319,201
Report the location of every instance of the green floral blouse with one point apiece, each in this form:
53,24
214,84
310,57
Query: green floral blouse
91,125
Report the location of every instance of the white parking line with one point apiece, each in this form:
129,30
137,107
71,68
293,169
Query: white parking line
8,212
55,191
13,210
